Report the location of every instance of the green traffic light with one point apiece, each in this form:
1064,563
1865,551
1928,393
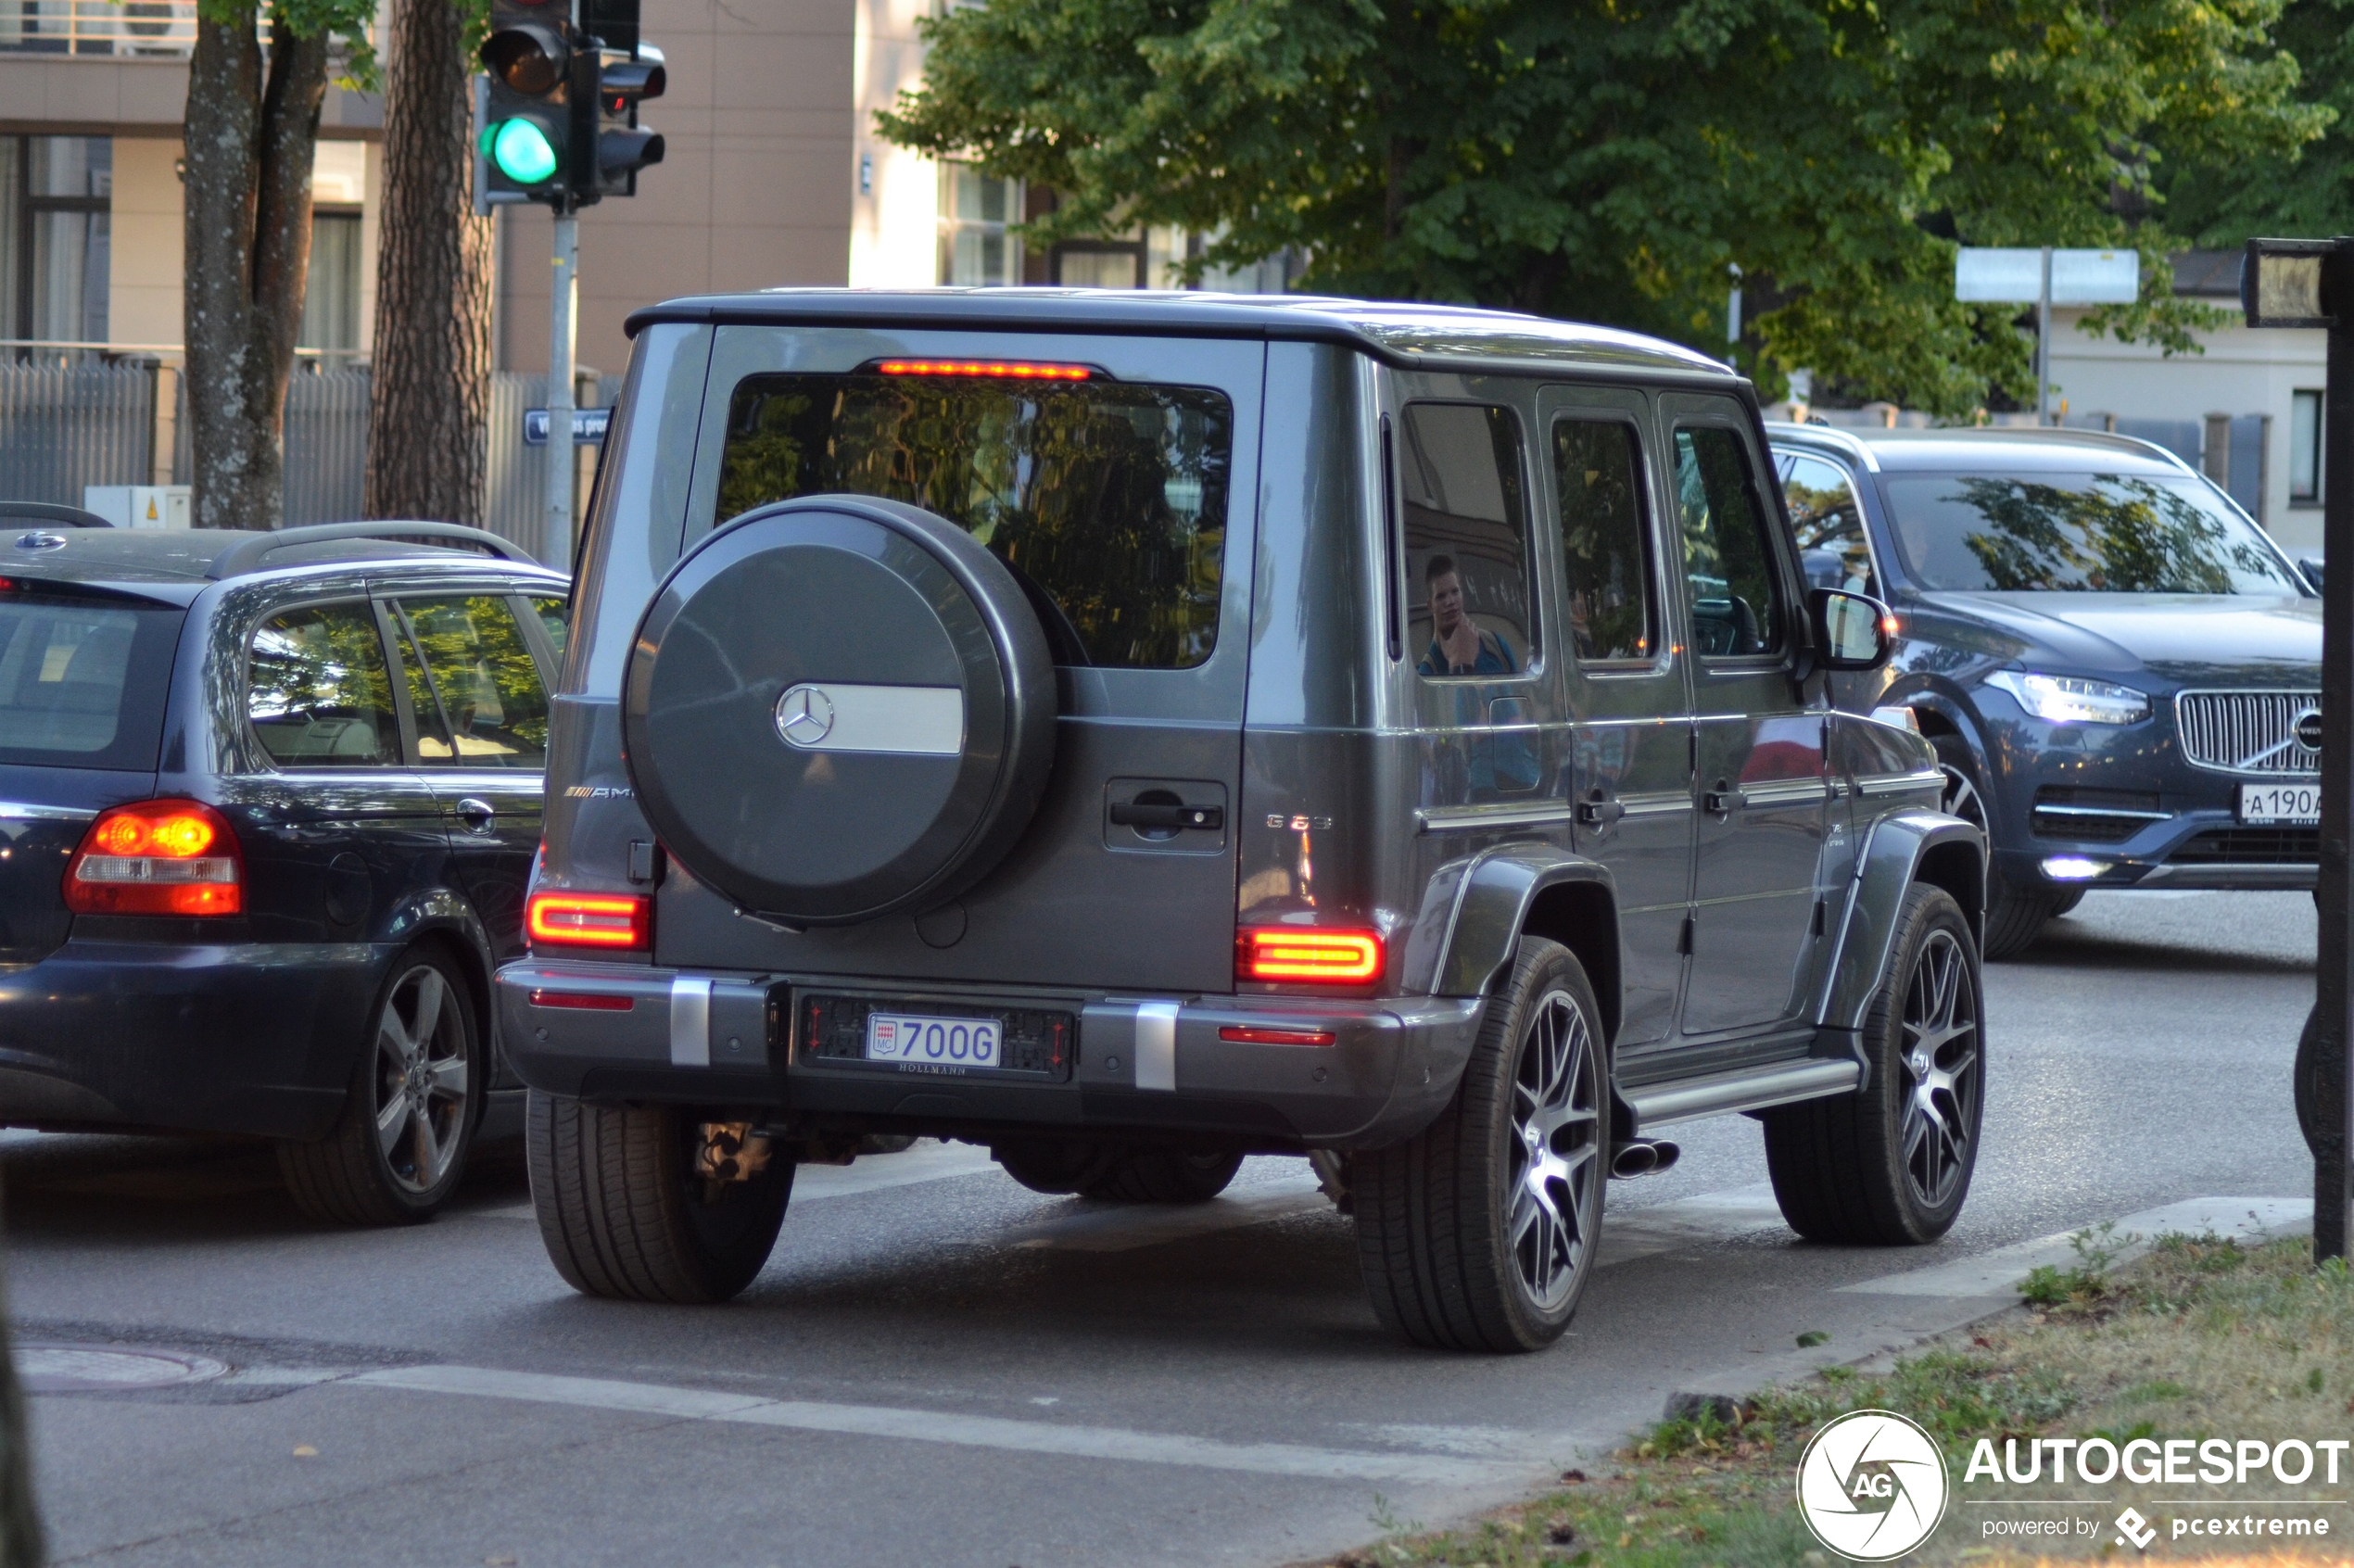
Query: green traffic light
522,152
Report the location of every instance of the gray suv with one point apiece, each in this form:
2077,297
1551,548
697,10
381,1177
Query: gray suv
1135,731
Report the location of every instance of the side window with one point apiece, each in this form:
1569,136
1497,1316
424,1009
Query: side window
552,619
1598,475
1729,559
1829,526
1466,540
317,692
478,698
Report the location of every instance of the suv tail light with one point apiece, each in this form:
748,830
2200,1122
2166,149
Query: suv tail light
615,922
1318,954
158,857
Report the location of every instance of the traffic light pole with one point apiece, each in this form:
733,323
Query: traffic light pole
555,539
2333,1172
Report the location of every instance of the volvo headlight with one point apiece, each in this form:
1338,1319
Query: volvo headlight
2066,699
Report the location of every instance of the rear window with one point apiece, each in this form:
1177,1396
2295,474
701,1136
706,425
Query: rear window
2098,533
1108,500
83,684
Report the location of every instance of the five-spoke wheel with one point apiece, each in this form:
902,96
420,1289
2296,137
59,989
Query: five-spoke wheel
397,1151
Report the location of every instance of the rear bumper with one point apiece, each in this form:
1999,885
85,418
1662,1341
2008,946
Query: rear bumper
252,1038
726,1040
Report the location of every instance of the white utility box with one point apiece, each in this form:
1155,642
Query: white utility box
138,506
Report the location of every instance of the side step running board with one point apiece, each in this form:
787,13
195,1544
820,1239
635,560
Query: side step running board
1691,1099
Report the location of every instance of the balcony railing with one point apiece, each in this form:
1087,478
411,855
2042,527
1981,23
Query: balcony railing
112,29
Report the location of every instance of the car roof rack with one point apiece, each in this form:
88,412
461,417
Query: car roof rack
246,555
49,511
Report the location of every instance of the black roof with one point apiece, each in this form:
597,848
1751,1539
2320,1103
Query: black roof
176,564
2001,447
1405,334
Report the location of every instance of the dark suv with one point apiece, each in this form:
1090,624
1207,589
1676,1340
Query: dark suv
2121,672
1134,731
268,806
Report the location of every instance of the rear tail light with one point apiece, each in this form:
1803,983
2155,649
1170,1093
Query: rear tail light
586,1001
158,857
613,921
1000,370
1256,1034
1318,954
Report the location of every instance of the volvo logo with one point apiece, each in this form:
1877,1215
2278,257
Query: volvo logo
804,716
2307,729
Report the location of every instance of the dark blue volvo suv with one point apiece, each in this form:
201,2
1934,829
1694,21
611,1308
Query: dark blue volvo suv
268,806
2119,670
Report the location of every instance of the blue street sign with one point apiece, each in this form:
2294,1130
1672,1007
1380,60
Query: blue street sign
587,425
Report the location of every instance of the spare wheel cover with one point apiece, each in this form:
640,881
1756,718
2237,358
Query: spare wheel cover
837,707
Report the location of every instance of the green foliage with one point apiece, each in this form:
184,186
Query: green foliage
2304,192
1608,159
346,19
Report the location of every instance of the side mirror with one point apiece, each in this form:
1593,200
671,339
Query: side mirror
1852,631
2312,566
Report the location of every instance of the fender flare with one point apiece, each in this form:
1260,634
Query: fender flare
1896,851
1473,909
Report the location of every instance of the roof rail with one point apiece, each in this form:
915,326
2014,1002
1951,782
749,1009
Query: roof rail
246,555
49,511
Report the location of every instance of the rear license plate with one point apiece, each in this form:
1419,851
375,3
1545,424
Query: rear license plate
914,1037
2280,806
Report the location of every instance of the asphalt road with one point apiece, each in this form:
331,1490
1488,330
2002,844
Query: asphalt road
941,1369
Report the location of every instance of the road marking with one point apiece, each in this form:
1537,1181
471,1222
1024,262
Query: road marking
936,1426
1693,1221
2000,1271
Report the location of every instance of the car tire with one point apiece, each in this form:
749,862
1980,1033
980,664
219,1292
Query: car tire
1054,1166
2305,1081
625,1216
399,1146
1463,1242
2015,916
1890,1164
1153,1174
2064,902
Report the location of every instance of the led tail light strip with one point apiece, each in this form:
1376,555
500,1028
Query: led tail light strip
613,921
1006,370
1320,955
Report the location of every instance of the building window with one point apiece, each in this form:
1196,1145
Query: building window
975,251
1099,266
2305,450
331,300
55,193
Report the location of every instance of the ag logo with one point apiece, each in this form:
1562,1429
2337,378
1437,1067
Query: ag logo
1872,1486
804,716
2307,729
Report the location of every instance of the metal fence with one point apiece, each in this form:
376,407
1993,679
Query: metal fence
64,426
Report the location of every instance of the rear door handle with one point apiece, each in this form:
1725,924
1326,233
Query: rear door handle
1129,813
475,813
1599,812
1723,801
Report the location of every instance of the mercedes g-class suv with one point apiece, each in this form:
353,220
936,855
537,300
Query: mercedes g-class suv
1133,732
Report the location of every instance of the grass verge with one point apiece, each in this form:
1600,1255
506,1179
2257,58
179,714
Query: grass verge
2199,1338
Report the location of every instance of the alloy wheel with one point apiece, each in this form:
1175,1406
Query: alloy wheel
1941,1064
1961,798
1556,1167
420,1079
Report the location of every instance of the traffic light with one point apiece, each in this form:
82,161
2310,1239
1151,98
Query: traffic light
528,135
623,147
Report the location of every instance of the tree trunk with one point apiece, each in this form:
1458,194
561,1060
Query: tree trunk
429,395
250,133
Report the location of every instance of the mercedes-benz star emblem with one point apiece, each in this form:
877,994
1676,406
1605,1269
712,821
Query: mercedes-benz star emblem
804,716
2307,729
